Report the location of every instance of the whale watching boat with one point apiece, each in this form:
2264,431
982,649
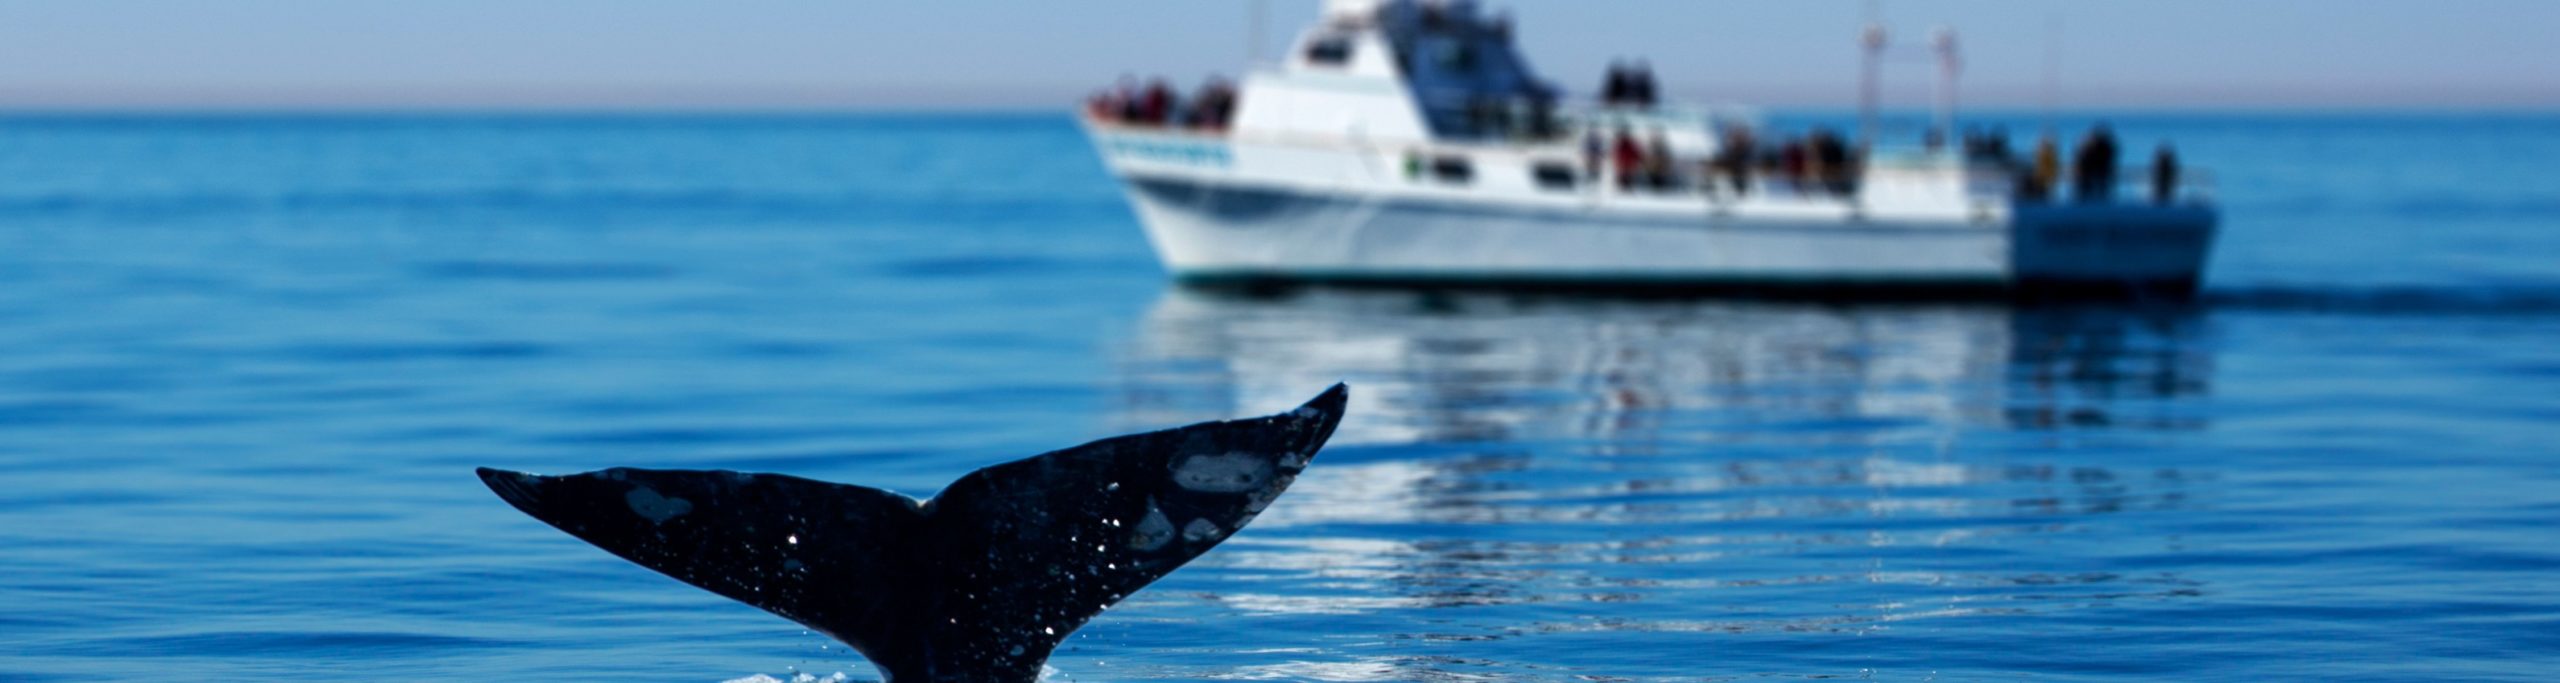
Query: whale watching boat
1408,142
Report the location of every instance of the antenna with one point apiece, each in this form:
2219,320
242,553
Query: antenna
1950,67
1257,27
1874,39
2052,64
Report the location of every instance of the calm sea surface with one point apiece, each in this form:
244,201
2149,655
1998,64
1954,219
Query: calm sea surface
247,364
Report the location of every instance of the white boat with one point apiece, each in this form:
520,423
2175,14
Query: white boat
1407,141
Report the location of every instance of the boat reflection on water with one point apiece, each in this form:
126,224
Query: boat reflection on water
1739,467
1439,367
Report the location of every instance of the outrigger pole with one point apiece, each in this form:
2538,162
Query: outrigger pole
1878,43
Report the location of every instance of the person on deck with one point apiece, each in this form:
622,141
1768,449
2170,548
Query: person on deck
2164,175
1995,148
1831,154
1630,158
1214,107
1157,105
1613,87
1132,100
1102,106
1795,163
1733,158
2096,168
1657,162
2048,169
1642,88
1594,153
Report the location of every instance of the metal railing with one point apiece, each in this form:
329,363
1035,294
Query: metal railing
2134,186
2131,185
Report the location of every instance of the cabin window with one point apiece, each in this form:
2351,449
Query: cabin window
1334,51
1555,176
1456,57
1455,170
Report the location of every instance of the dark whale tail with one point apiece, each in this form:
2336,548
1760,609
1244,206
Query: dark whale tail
978,585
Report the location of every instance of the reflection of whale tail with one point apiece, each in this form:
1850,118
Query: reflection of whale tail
977,585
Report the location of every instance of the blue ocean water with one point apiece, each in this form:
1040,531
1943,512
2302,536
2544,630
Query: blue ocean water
248,362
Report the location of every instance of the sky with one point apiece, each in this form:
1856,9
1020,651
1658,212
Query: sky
858,54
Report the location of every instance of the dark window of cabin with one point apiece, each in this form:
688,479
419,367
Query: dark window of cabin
1555,176
1330,52
1456,57
1453,170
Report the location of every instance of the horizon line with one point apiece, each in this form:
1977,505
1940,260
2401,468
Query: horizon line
1028,98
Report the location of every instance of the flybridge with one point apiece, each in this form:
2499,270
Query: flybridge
1403,71
1380,70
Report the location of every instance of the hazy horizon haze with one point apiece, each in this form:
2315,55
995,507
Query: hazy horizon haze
807,54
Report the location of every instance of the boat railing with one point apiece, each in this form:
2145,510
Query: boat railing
1594,116
1723,185
2132,185
1102,121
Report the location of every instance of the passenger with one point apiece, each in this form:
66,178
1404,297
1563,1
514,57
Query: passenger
1214,107
1158,105
1733,158
1831,153
1102,106
1995,147
1226,103
1641,86
1197,115
1630,158
2096,168
1981,146
1614,88
1794,163
1657,158
1542,115
1132,101
1816,173
1497,114
1594,152
2164,175
2048,170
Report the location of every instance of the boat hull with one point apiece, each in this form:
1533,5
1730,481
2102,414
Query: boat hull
1230,233
1218,211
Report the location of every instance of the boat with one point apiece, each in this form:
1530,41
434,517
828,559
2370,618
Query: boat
1408,142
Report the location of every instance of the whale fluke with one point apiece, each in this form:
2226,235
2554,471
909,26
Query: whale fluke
977,585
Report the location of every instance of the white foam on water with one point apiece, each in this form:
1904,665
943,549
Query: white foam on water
837,677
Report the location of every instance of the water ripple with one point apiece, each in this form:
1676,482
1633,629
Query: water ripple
249,361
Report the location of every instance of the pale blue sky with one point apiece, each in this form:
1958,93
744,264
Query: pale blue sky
863,53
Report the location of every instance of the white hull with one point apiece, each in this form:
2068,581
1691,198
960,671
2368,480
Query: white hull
1224,211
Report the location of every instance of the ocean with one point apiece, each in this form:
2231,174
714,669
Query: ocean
248,362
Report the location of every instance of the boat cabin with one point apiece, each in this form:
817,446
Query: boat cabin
1401,71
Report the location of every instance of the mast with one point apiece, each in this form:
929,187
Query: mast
1870,89
1256,29
2052,66
1950,66
1871,71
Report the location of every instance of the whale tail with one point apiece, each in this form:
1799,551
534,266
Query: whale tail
978,585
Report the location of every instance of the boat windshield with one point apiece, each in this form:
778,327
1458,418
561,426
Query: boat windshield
1470,79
